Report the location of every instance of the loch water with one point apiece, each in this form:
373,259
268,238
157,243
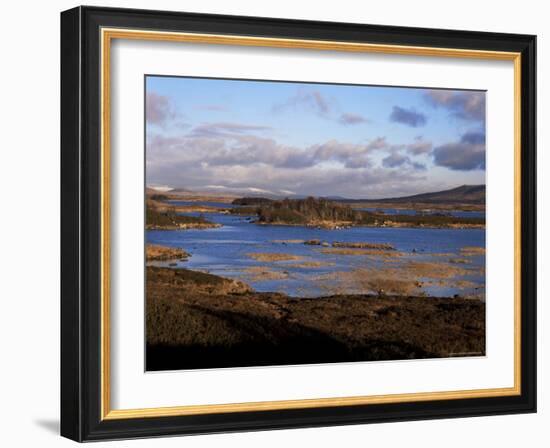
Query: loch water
224,251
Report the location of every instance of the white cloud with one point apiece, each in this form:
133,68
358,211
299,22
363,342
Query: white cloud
233,156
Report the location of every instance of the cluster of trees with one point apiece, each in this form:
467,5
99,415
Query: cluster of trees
159,197
296,211
252,201
317,210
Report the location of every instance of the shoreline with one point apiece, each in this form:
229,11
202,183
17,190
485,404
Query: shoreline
390,224
419,206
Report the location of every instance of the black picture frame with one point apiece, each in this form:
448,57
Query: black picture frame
81,415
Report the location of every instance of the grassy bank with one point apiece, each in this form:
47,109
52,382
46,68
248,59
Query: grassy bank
198,320
154,252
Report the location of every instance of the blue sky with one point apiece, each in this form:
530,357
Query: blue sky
311,139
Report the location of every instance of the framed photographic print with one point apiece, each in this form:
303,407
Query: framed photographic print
273,223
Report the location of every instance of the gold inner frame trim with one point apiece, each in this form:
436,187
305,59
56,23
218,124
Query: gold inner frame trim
107,35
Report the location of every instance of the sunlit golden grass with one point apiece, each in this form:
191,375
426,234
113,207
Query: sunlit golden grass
267,256
469,251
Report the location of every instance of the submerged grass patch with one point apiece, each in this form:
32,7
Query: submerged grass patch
470,251
311,264
396,276
360,251
268,256
263,273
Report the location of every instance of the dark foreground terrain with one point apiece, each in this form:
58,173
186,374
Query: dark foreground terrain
198,320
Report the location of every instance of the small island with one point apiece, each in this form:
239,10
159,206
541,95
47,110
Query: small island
160,216
328,214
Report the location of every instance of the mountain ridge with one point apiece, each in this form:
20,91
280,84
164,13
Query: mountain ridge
465,194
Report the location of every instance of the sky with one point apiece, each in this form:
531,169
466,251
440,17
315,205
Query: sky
286,138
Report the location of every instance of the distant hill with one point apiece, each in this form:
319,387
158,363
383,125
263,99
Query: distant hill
465,194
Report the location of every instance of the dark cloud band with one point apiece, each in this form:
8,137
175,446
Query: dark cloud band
465,155
409,117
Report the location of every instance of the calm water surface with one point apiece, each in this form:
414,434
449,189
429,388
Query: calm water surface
224,251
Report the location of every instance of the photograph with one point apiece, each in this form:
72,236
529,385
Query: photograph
284,221
291,223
